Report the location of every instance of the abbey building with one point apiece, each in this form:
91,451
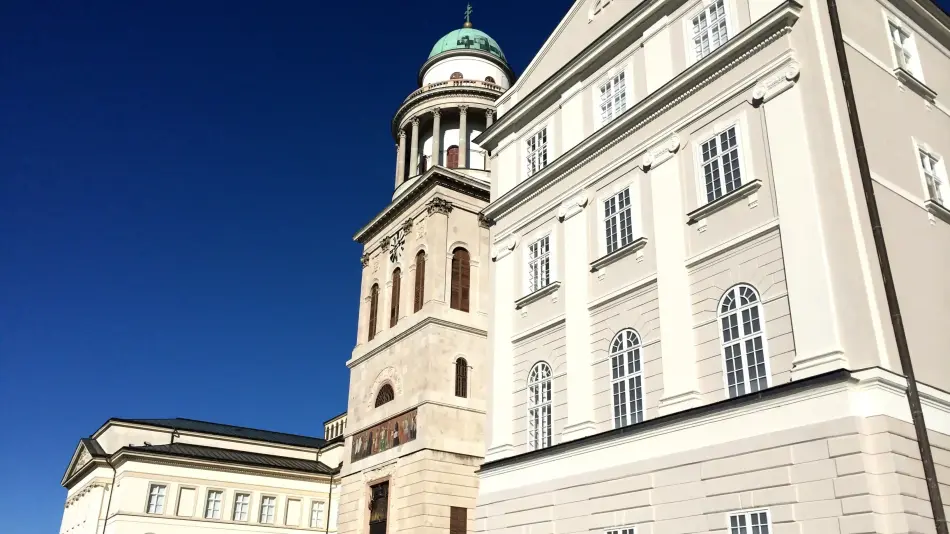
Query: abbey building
686,274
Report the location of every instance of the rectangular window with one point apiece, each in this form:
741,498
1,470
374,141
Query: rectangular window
709,29
242,502
536,148
755,522
213,507
613,98
268,505
618,221
156,499
937,187
316,513
905,50
539,264
626,530
721,170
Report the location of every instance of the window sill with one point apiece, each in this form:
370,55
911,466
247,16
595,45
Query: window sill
938,210
908,79
537,295
722,202
622,252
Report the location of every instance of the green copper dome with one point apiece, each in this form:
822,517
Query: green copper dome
467,38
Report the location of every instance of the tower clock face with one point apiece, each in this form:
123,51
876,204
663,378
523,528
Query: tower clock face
397,243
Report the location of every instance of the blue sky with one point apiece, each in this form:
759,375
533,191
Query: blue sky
179,186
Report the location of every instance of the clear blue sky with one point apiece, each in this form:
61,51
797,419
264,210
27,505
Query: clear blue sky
179,186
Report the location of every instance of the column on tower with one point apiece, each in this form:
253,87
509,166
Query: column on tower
489,117
401,158
436,137
414,148
463,137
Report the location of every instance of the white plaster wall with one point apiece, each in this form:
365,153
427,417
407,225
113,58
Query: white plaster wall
472,68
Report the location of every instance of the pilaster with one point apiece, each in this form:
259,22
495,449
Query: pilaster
580,377
436,238
680,376
502,363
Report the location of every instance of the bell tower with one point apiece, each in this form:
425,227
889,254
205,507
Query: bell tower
416,412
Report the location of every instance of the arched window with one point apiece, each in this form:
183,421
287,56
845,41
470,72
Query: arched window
743,341
626,378
373,310
385,395
456,76
452,157
461,279
420,288
461,378
394,303
539,406
489,79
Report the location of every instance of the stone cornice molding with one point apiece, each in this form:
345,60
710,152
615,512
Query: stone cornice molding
506,247
776,84
659,154
435,321
734,52
573,206
480,96
125,454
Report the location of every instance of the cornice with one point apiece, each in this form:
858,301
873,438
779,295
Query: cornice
489,96
744,45
125,454
502,64
436,176
435,321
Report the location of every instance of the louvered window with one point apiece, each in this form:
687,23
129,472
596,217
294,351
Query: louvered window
373,310
461,378
461,280
420,280
394,303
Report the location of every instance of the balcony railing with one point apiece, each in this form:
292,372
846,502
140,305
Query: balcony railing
451,84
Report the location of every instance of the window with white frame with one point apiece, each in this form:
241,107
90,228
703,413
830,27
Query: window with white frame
536,151
213,506
268,505
613,98
316,513
618,221
710,29
721,168
626,378
156,499
539,406
242,504
625,530
905,49
931,165
754,522
539,264
743,341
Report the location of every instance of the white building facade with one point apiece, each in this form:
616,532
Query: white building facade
163,476
691,324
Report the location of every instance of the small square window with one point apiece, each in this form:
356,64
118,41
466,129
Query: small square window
754,522
710,30
242,502
932,167
721,166
213,506
156,499
268,506
536,149
624,530
539,264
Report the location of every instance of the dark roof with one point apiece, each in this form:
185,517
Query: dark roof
187,450
229,430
